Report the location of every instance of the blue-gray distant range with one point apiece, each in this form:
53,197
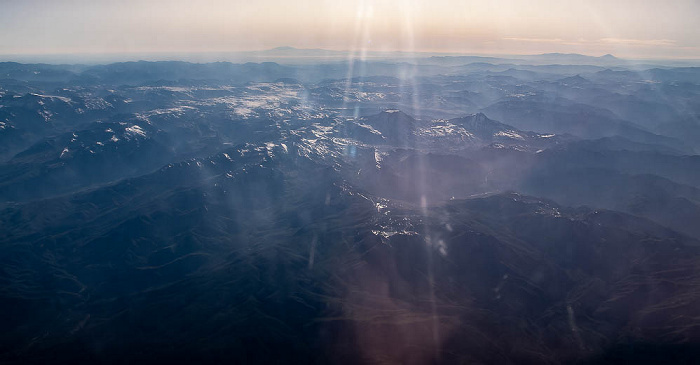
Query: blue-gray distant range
315,207
292,55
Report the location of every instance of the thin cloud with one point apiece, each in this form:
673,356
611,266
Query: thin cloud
599,42
535,40
639,42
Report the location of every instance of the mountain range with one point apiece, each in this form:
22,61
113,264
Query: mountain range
451,210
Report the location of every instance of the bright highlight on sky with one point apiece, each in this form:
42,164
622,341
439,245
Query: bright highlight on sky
625,28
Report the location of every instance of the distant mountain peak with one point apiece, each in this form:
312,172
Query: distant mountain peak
574,80
577,57
284,48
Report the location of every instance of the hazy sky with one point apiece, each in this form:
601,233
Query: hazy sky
628,28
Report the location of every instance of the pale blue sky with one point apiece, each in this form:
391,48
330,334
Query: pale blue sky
627,28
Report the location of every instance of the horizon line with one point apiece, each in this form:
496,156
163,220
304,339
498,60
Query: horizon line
341,54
